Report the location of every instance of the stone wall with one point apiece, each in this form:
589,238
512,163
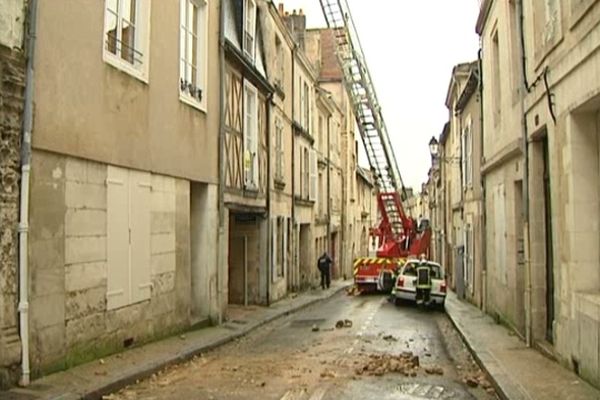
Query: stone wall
70,320
12,83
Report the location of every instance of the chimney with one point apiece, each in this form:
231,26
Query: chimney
296,23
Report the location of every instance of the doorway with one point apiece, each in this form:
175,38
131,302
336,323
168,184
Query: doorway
548,247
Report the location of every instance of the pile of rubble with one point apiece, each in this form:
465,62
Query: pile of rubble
379,364
353,291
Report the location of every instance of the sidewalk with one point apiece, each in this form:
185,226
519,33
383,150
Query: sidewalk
92,380
518,372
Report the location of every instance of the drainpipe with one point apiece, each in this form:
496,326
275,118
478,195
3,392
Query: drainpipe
329,184
483,283
526,233
24,200
221,157
294,232
270,259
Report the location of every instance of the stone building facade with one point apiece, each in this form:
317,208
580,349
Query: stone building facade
12,86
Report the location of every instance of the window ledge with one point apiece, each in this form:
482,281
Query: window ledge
190,101
114,61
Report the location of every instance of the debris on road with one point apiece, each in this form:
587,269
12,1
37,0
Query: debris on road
434,370
471,382
379,364
328,374
353,291
346,323
390,338
315,328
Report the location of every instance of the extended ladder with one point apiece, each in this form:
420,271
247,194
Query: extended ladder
367,111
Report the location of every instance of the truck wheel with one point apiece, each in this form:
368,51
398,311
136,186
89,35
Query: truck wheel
397,301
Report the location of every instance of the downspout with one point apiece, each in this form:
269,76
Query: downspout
483,283
221,157
329,185
24,200
293,237
526,233
270,259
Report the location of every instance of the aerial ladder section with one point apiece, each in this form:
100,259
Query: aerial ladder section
395,226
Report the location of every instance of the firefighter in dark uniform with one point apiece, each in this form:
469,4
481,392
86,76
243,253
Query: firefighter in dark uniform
324,264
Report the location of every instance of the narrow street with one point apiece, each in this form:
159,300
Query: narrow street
388,352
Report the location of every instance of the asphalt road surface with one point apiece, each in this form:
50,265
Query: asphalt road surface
382,352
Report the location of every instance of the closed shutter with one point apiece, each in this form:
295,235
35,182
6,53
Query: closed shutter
118,238
139,211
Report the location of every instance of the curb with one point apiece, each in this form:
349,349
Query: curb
151,368
501,389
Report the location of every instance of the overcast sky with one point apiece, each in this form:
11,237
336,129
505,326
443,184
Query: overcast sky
410,47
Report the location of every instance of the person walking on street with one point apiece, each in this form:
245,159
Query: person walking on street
324,264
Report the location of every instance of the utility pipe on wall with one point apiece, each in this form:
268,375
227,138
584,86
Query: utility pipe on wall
221,158
24,200
526,234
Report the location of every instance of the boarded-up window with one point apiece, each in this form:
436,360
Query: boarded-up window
128,228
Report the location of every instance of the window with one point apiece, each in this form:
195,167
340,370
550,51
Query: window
249,28
279,64
313,175
126,29
250,136
496,95
321,205
306,107
192,50
279,156
469,154
280,238
306,175
321,133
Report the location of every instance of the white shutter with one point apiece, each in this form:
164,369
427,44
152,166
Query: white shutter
313,174
118,284
139,211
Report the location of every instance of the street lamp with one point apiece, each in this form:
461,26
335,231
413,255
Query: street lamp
434,149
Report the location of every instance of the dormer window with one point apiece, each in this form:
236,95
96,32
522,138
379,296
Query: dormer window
250,28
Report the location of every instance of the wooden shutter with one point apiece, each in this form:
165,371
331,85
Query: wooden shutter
118,283
139,211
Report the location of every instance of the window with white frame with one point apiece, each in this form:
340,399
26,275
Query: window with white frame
249,44
192,50
250,136
279,156
126,35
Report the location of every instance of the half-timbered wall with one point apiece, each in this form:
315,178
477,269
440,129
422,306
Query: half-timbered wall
234,137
